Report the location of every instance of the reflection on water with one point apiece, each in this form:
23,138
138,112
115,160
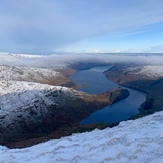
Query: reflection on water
98,83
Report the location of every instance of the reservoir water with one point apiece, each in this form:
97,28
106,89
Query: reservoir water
95,82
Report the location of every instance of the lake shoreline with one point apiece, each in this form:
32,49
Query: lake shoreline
80,77
93,102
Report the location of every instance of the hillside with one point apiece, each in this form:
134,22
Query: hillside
31,110
35,74
133,141
146,78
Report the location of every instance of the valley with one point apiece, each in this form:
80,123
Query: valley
34,110
39,103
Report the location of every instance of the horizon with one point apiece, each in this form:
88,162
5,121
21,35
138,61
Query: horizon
64,59
86,53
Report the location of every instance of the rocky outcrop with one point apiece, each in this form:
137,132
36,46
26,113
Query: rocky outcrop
30,110
118,94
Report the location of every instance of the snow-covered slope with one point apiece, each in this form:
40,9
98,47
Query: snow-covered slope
148,71
11,89
17,57
29,60
33,74
155,71
28,109
27,73
136,141
7,57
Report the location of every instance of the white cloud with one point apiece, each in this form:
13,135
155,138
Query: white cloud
118,51
66,59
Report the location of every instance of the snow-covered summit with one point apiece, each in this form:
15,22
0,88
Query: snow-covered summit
135,141
4,57
9,87
28,60
26,56
12,57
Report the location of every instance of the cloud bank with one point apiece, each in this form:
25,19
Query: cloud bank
68,59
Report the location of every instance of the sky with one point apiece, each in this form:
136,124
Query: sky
81,26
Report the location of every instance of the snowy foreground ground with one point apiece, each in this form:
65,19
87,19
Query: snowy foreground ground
134,141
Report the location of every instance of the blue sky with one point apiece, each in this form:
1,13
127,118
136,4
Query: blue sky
49,26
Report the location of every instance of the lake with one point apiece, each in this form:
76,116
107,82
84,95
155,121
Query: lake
95,82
